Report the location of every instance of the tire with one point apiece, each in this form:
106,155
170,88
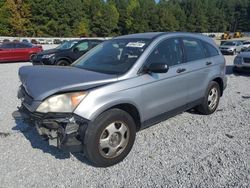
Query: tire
236,70
211,99
109,139
32,57
62,63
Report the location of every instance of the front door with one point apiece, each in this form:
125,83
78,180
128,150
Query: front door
7,52
165,92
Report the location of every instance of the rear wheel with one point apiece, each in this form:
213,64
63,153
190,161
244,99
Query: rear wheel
211,99
63,63
110,138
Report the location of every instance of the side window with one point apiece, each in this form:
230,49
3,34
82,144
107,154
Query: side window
194,49
168,52
95,43
211,51
7,46
83,46
18,45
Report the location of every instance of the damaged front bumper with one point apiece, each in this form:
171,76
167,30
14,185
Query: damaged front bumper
63,130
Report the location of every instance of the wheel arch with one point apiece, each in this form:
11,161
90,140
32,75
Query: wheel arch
219,80
63,58
130,108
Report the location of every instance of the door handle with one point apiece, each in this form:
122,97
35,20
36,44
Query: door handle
209,63
180,70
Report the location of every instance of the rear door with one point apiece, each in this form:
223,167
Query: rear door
198,68
165,92
22,52
6,52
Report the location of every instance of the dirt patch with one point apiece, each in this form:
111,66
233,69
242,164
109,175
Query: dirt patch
4,135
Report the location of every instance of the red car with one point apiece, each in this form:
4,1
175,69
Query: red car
18,51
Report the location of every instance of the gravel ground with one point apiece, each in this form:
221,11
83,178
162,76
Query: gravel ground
188,150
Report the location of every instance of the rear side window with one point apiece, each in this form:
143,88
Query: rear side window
211,51
7,45
20,45
83,46
194,49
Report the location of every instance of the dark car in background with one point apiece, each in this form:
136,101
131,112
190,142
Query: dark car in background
18,51
231,47
66,53
242,61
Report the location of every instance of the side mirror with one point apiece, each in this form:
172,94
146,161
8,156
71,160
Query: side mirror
76,49
157,68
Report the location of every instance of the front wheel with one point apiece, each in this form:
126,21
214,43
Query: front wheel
211,99
109,139
63,63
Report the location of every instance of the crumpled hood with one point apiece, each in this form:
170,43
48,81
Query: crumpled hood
43,81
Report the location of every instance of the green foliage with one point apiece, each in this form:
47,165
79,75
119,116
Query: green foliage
69,18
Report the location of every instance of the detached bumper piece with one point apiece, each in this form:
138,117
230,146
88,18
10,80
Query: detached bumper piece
63,130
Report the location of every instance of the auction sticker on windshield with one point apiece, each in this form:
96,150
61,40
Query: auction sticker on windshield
135,44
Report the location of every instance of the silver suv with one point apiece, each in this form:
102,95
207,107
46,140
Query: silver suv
231,47
120,87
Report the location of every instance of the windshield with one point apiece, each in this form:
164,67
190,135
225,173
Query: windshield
67,45
246,42
113,57
229,43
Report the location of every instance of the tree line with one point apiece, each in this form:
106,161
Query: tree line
102,18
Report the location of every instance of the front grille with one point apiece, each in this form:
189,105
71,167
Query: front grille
246,60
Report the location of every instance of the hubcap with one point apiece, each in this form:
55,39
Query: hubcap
212,98
113,139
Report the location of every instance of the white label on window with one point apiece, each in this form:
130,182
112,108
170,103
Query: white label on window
135,44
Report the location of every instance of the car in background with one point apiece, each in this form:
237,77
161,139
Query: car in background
66,53
18,51
34,41
242,61
246,45
49,41
25,41
212,35
6,40
41,41
16,40
57,41
231,47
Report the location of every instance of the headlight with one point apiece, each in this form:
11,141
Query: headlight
47,56
238,60
62,103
